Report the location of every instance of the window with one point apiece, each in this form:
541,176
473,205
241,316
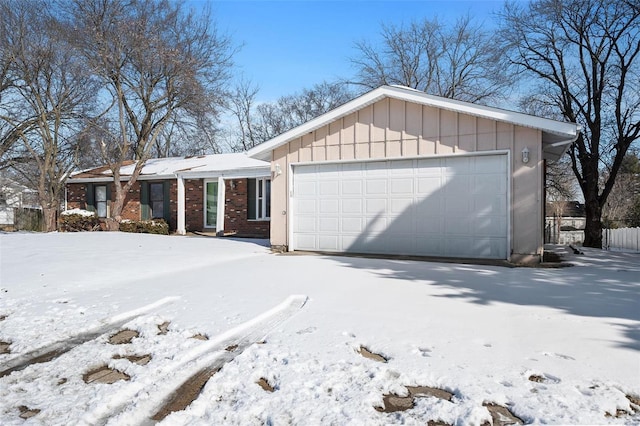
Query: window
156,200
100,202
211,200
259,199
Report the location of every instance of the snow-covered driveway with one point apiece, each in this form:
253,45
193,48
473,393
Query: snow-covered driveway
551,345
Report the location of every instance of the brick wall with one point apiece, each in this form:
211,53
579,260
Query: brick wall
236,200
235,213
77,199
194,204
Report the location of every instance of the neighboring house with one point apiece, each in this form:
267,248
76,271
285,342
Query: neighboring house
222,193
15,199
397,171
565,222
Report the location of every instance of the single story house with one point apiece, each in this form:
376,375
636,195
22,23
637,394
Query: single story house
19,207
221,193
398,171
565,222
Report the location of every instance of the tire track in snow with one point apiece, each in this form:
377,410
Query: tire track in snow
141,401
53,350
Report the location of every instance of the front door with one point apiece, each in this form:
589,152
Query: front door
211,201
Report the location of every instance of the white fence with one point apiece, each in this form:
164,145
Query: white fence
626,239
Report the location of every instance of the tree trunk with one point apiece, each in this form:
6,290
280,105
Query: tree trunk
593,225
49,219
113,222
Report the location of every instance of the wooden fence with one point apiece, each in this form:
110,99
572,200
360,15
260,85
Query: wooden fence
626,239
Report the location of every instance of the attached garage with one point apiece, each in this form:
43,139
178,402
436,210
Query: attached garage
397,171
407,207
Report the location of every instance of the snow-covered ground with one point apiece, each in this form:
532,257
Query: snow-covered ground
479,332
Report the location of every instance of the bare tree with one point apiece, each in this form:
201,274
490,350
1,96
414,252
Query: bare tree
241,105
257,123
459,62
156,61
625,194
48,94
583,56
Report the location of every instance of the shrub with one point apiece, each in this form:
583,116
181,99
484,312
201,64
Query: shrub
155,226
77,220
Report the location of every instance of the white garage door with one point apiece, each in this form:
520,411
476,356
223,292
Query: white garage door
455,206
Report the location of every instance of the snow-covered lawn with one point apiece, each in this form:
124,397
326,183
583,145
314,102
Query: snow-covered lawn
483,333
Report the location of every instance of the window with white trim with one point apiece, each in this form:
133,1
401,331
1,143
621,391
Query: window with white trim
259,199
100,202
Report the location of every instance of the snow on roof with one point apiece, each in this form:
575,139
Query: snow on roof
169,167
556,135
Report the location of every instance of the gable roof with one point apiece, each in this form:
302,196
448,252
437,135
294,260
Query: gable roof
556,135
168,168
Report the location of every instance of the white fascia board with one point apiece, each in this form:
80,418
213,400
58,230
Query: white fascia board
228,174
564,129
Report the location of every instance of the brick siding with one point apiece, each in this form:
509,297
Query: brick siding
236,211
236,201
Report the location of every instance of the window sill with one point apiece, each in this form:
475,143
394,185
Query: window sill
259,220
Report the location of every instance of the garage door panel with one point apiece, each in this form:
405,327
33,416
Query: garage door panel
352,206
402,186
376,186
488,226
429,227
330,188
305,242
429,246
400,205
375,169
306,206
352,187
306,224
429,185
308,188
454,206
376,206
457,205
328,242
329,224
352,224
457,225
330,206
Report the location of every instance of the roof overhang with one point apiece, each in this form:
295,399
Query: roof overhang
556,135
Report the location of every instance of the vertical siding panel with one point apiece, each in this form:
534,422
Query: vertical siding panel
448,132
412,129
280,204
486,130
347,137
305,147
319,149
504,135
430,131
363,132
333,140
396,119
379,129
294,150
527,192
380,120
467,133
410,147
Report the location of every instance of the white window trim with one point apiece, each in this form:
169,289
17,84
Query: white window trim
266,215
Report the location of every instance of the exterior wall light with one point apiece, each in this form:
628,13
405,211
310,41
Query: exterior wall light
278,170
525,155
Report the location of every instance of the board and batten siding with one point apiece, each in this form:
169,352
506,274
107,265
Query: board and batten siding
392,128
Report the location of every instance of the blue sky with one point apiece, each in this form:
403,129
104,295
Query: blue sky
291,45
